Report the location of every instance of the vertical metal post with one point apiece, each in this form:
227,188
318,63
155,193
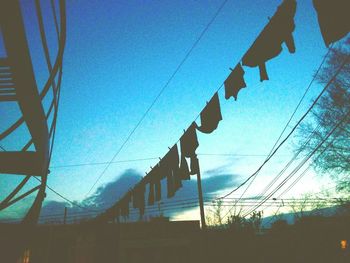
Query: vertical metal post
65,215
200,197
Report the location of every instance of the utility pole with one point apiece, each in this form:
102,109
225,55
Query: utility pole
65,215
200,198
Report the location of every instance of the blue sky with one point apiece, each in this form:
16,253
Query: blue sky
118,56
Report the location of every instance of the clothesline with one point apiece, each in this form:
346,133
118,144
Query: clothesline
232,84
266,46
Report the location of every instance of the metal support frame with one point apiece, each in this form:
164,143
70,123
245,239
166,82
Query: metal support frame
17,83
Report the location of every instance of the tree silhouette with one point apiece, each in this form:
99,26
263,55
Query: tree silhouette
333,157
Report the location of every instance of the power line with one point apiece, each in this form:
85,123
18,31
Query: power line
194,119
63,197
102,163
156,158
291,132
300,165
171,205
160,93
294,112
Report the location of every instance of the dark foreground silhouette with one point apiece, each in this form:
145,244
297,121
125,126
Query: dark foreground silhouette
312,239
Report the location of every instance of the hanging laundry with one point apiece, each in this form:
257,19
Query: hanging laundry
189,142
138,197
210,115
235,82
148,180
151,194
333,19
194,165
269,43
184,172
170,166
158,190
124,205
116,213
177,179
155,180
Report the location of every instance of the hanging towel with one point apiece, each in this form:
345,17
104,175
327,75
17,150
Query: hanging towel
170,168
124,205
151,194
235,82
269,43
194,165
184,172
210,115
138,197
177,178
189,142
155,180
333,19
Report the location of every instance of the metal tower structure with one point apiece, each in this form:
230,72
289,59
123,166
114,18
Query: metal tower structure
18,85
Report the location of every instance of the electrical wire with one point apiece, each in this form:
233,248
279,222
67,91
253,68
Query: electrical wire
291,132
154,158
160,92
294,112
300,165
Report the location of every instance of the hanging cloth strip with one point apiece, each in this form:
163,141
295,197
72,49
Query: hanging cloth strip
235,82
333,19
269,43
124,205
189,141
189,144
138,197
170,168
184,172
151,193
210,115
154,179
194,165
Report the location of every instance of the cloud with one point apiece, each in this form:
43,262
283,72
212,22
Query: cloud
105,196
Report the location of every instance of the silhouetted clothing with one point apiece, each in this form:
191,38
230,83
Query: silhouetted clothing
189,144
170,167
333,19
194,165
189,141
158,190
177,179
138,197
269,43
211,115
124,205
155,183
151,193
184,172
235,82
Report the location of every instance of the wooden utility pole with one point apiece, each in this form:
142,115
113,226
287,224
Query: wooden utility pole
200,198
